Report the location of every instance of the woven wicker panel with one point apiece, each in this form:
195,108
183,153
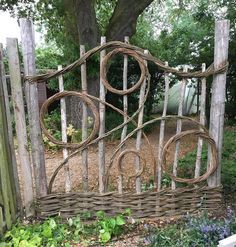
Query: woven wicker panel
145,205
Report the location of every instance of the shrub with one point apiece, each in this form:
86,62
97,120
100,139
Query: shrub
198,231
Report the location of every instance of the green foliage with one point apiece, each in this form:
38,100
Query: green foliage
110,226
104,10
52,232
198,231
148,185
49,233
228,174
186,164
53,124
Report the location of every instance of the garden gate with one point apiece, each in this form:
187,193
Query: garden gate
203,191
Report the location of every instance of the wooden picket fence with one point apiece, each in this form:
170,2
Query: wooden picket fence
203,191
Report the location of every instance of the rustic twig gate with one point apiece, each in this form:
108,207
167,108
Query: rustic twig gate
158,202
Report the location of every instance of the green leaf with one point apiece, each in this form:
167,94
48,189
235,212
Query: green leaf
112,223
52,223
104,237
127,212
100,214
24,243
120,220
47,232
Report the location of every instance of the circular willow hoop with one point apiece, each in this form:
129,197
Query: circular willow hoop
131,53
120,158
87,101
212,166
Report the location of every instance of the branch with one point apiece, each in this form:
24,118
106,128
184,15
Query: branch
124,19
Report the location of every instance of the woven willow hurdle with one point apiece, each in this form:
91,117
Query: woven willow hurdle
144,205
159,202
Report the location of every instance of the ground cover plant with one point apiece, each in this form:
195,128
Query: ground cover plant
53,232
198,231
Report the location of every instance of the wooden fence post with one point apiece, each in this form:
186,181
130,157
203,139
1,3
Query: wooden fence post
13,166
63,133
125,109
218,94
38,159
202,121
7,190
179,126
162,130
21,132
84,122
138,183
101,144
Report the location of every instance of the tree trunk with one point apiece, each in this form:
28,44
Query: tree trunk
122,23
124,19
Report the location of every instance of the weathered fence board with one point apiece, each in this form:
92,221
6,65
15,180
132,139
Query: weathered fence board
84,122
162,130
14,178
218,93
125,109
64,133
101,144
21,131
139,133
6,197
179,126
38,159
202,121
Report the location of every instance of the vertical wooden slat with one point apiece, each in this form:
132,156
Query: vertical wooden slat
63,133
125,109
162,129
1,221
84,122
218,94
7,188
21,132
202,121
139,133
31,93
101,144
179,126
5,162
14,179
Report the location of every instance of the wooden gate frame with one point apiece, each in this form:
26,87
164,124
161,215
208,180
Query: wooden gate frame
163,202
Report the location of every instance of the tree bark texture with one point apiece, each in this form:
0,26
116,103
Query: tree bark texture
122,23
124,19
